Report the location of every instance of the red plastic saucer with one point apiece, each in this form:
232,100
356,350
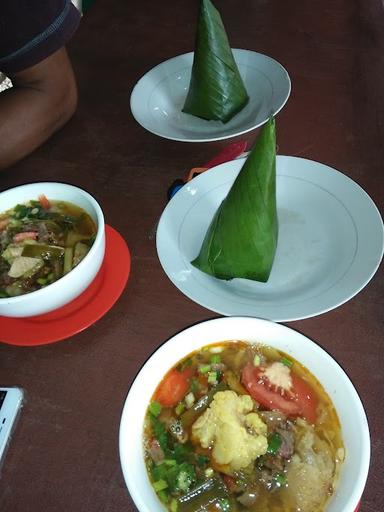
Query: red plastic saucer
83,311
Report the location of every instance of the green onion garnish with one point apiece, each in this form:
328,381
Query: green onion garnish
286,362
163,496
204,368
155,408
160,485
169,462
212,377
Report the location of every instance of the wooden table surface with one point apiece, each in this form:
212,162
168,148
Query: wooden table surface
64,453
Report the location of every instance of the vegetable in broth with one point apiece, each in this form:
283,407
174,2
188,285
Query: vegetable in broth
240,427
40,241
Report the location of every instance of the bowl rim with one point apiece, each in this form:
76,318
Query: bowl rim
130,470
100,234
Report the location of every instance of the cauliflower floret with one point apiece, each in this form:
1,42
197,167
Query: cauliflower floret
237,435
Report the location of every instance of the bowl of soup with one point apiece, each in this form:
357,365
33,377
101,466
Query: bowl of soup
243,414
52,244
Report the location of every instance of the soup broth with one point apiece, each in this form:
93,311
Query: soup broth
235,427
41,241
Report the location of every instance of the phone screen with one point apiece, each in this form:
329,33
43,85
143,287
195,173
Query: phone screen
11,400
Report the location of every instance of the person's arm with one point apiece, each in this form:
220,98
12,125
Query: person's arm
42,100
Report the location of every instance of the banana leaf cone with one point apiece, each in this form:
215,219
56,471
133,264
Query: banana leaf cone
242,237
216,90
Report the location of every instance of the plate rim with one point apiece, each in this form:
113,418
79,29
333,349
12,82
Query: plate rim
236,51
233,310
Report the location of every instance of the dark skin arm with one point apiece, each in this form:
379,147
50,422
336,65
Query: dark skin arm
41,101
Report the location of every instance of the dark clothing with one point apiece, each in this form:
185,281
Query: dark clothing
31,30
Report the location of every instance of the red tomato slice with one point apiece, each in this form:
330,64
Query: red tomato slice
173,388
266,397
303,404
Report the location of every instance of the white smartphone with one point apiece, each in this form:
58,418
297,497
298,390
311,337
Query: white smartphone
11,400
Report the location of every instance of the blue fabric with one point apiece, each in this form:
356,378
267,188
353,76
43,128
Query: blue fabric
30,37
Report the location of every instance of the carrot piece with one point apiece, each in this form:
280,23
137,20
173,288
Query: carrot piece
44,202
173,387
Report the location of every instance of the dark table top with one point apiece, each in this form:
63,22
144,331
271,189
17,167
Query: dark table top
64,453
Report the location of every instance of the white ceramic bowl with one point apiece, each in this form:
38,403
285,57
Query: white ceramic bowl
351,413
77,280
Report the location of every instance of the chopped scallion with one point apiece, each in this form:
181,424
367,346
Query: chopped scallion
169,462
215,359
212,378
160,485
163,496
286,362
256,360
155,408
204,368
159,472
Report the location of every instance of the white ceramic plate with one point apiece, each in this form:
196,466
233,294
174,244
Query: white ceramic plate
330,242
158,97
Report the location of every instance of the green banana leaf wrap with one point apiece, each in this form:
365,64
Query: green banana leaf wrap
216,90
242,237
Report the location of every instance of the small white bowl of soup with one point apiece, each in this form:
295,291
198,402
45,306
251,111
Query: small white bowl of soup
243,414
52,244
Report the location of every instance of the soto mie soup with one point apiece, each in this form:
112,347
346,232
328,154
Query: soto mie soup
41,241
236,427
